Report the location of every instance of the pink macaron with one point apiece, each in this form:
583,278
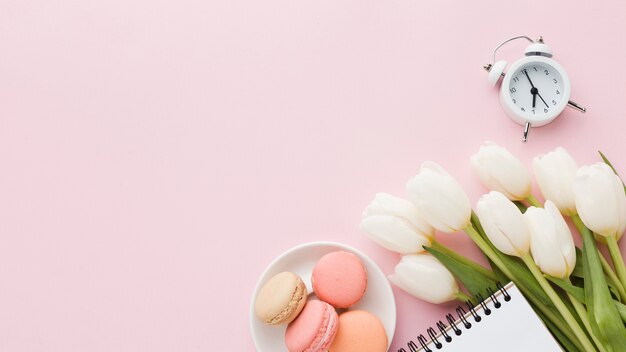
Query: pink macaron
340,279
314,329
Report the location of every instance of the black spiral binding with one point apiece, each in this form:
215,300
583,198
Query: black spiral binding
455,326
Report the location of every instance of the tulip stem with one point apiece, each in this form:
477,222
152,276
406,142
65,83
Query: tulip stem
495,258
558,303
616,256
462,297
580,226
481,269
613,277
554,317
534,202
582,314
489,252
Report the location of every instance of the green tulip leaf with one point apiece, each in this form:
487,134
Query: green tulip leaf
579,273
476,283
579,294
525,281
604,317
499,274
459,258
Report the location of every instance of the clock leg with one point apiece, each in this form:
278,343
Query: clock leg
573,105
526,131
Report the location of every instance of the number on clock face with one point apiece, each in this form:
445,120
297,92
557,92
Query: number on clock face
536,89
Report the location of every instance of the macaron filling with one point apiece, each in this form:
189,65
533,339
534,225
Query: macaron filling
328,336
314,329
299,294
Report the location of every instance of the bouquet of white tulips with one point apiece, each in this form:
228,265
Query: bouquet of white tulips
577,292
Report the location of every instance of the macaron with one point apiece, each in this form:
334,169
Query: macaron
339,278
314,329
281,299
359,331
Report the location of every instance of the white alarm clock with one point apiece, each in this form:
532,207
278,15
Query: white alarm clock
536,89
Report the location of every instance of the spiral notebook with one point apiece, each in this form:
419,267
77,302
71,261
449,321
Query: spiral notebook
504,321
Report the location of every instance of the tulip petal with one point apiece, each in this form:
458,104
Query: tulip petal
500,171
503,224
563,237
387,204
424,277
600,200
439,198
551,242
555,173
394,234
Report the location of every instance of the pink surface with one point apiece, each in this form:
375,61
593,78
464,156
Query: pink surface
314,329
339,278
157,155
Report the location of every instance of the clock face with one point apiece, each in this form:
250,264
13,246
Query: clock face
536,89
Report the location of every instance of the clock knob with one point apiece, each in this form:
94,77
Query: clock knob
538,48
495,71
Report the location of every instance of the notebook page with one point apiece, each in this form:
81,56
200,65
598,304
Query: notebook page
514,327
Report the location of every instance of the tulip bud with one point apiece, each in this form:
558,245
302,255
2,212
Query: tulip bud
600,200
500,171
424,277
555,173
439,198
395,224
503,223
551,243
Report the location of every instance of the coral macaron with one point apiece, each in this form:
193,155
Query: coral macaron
314,329
281,299
340,279
359,331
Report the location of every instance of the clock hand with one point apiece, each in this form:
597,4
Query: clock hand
531,82
534,91
542,99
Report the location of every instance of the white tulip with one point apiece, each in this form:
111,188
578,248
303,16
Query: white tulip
500,171
551,242
439,198
424,277
600,200
555,173
503,223
395,224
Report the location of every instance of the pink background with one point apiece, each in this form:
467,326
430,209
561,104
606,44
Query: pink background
157,155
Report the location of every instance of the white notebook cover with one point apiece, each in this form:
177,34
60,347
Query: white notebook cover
514,327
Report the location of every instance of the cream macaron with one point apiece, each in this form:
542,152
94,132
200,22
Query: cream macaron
281,299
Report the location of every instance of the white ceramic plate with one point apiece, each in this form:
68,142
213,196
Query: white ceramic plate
300,260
